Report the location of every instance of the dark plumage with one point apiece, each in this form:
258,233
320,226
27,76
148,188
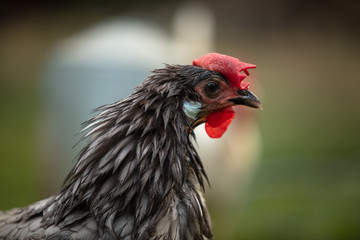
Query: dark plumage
139,176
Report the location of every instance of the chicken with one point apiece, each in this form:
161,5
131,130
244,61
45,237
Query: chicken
139,176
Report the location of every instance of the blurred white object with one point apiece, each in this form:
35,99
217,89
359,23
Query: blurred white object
194,32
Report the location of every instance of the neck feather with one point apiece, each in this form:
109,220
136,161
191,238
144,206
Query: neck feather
138,148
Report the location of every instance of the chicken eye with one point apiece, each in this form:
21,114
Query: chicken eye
212,89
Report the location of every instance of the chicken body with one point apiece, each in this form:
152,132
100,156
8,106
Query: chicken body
139,176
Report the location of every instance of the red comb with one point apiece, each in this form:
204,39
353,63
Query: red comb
228,66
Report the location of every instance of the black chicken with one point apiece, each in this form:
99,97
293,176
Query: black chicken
139,176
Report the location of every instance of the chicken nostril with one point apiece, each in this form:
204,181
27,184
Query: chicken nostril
242,92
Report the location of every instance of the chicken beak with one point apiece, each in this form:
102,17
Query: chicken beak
246,98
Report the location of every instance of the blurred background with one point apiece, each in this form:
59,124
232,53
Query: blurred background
291,171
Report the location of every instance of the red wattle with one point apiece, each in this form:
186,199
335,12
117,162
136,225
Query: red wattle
217,123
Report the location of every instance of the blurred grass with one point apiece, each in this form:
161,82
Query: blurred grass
19,110
303,198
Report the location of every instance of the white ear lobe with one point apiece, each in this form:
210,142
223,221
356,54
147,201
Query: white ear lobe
191,109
